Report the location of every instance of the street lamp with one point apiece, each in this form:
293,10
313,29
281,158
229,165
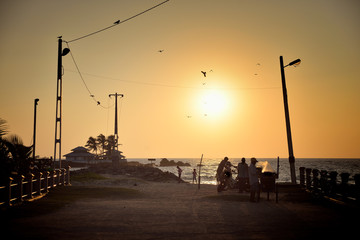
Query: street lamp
61,52
34,135
287,117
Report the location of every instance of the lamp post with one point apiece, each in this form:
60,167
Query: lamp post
287,118
61,53
34,135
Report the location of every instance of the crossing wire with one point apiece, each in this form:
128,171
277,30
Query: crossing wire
118,22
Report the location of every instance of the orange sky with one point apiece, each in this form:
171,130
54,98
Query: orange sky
169,108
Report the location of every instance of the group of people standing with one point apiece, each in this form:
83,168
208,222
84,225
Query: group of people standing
247,175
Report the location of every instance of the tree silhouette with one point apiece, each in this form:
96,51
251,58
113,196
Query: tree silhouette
110,145
101,141
92,144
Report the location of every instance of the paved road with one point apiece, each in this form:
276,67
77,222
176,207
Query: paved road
171,211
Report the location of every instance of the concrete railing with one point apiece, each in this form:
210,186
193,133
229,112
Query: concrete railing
326,184
21,188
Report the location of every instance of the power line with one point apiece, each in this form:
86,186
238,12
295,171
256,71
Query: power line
83,80
172,86
118,22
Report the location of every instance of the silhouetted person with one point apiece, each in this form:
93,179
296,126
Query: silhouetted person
194,176
221,168
253,181
243,174
179,172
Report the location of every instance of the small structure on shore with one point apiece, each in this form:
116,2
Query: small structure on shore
80,155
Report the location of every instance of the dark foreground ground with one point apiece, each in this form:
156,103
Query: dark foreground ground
131,208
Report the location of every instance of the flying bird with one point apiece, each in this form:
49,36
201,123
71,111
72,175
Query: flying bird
203,73
117,22
161,50
98,103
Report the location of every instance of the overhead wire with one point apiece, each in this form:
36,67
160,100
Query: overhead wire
172,86
83,80
101,30
118,22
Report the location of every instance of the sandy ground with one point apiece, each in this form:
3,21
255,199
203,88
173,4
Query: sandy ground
171,211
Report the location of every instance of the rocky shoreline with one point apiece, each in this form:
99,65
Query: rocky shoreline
136,170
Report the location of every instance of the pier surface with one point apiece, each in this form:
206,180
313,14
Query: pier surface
120,207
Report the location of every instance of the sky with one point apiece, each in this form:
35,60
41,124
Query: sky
170,109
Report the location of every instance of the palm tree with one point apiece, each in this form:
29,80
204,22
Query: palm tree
92,144
3,128
18,155
14,155
5,162
110,145
101,141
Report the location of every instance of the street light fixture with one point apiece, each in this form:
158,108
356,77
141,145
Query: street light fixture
287,118
34,135
61,52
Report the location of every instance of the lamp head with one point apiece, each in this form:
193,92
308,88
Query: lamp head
295,62
65,51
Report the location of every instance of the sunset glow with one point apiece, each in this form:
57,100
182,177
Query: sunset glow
213,103
169,108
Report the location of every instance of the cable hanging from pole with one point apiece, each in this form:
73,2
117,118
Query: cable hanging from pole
118,22
83,80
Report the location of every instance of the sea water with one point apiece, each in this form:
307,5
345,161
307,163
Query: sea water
209,166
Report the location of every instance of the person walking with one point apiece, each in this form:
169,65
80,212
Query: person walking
179,172
194,176
253,181
243,174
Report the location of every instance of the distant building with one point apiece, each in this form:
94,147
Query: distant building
80,155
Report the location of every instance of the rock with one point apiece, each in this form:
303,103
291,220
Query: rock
138,171
166,163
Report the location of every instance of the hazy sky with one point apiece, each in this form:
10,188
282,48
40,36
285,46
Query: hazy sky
170,109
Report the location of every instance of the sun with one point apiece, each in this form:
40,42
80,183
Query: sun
213,102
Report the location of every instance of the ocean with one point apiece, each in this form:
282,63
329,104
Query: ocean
208,170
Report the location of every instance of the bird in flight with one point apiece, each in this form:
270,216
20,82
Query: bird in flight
203,73
161,50
98,103
117,22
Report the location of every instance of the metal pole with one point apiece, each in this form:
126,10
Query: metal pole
58,104
287,119
200,170
116,124
34,135
116,95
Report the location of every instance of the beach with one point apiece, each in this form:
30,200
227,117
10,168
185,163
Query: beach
127,207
